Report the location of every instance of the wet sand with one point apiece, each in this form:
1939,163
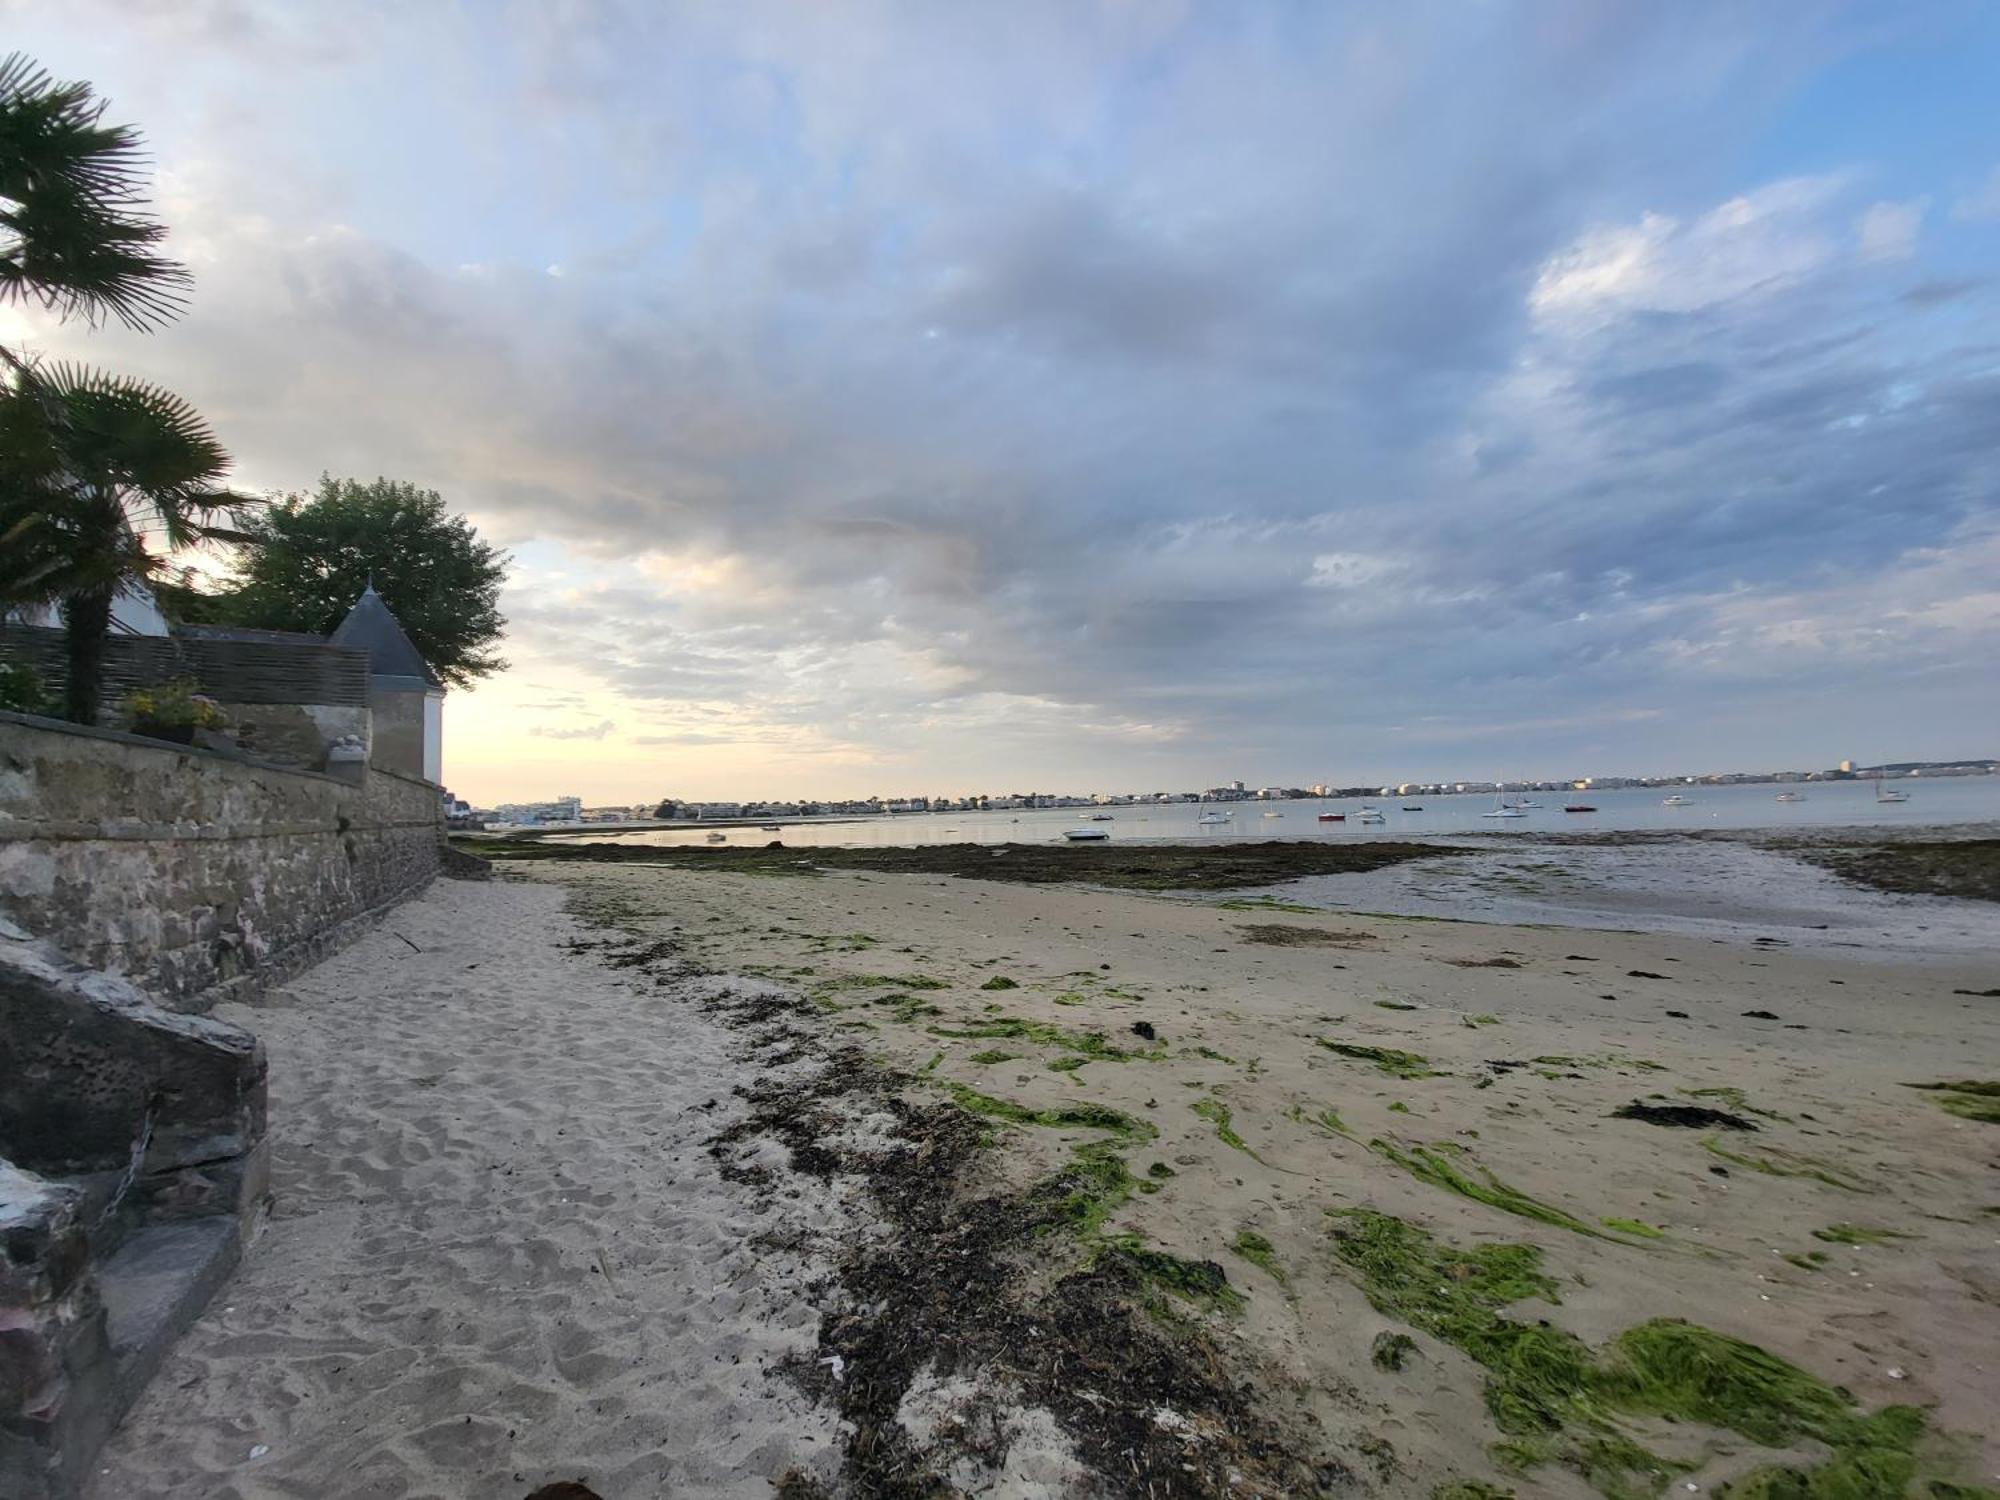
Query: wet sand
550,1204
1535,1036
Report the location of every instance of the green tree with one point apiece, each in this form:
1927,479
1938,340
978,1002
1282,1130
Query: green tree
90,464
310,557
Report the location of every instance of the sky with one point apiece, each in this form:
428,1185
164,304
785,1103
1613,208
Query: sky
1100,395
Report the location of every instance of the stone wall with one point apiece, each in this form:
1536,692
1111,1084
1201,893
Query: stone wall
197,873
132,1165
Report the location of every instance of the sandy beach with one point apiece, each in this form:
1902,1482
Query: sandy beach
1531,1038
498,1255
552,1204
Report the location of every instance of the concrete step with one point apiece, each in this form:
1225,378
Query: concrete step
155,1286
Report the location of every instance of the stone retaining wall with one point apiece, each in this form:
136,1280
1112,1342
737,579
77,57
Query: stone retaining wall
198,873
132,1166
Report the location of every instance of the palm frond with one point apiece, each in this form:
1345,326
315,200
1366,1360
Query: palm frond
75,233
131,434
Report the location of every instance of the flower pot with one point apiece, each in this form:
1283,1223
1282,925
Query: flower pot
175,734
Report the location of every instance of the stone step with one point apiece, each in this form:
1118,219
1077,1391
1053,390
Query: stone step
155,1286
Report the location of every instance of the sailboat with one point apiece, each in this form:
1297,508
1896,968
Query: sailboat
1887,793
1502,808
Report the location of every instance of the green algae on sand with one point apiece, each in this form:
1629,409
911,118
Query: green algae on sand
1253,1247
1968,1098
1427,1164
1091,1044
1635,1227
1560,1401
1201,1282
1776,1163
1126,1129
1326,1121
1390,1060
1855,1234
1219,1115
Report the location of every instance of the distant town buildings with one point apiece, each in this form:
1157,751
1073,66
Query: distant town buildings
570,809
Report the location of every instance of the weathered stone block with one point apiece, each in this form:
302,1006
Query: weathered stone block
57,1374
94,1077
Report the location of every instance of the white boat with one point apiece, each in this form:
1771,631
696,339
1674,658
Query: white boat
1502,808
1102,818
1214,817
1369,815
718,838
1791,796
1889,794
1677,800
1085,835
1273,815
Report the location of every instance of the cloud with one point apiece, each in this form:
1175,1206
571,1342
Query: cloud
1888,231
1755,244
1118,392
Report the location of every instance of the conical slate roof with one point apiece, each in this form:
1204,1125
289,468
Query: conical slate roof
370,627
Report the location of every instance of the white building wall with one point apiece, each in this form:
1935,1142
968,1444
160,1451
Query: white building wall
434,737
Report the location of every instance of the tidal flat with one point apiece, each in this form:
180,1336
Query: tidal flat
1243,1163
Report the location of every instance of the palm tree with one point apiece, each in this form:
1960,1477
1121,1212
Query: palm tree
135,462
90,465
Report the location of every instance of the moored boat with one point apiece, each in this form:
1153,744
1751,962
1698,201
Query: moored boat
1085,835
1579,807
1333,817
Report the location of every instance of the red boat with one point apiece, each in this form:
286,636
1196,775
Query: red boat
1333,817
1578,807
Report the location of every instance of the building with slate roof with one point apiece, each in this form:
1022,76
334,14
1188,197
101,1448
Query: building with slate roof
405,697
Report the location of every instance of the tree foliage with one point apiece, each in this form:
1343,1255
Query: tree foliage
310,557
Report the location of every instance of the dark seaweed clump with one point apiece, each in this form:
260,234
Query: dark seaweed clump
1939,867
1017,1288
1145,867
1686,1116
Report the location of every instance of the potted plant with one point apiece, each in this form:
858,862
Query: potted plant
172,711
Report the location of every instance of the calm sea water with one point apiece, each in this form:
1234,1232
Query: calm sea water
1845,804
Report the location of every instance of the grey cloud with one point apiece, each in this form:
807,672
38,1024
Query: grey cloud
595,731
1209,305
1935,291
